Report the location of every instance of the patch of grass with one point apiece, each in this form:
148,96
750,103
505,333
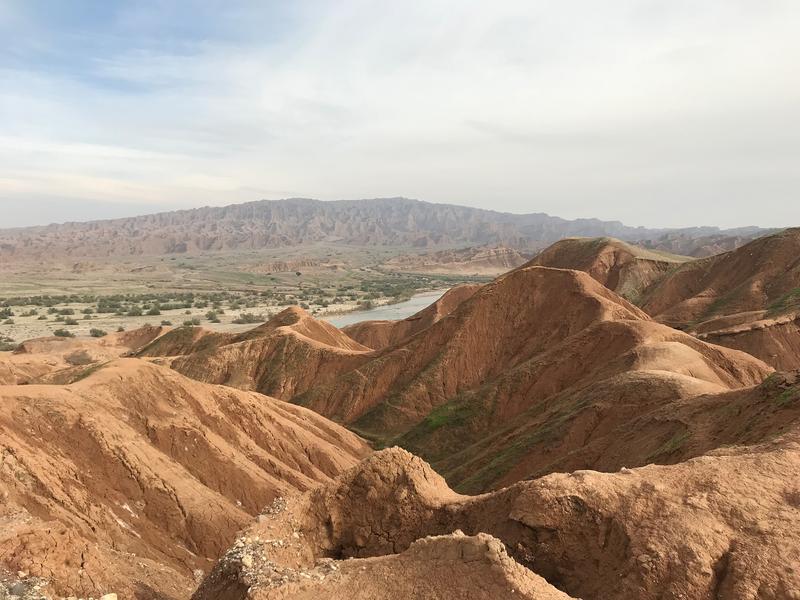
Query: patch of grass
550,430
787,397
7,344
676,442
86,372
785,302
451,414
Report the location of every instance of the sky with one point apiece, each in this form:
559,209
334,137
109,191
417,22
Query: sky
663,113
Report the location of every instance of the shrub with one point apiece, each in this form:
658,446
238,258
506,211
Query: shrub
246,318
42,318
192,322
212,316
70,321
7,344
153,312
94,332
166,323
63,333
120,329
8,322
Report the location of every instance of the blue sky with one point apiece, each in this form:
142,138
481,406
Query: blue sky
653,112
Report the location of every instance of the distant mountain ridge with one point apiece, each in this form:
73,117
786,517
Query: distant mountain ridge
297,221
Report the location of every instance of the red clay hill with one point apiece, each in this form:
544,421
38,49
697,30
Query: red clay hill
747,298
621,267
505,379
132,476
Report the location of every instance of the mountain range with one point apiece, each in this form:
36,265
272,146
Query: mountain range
379,222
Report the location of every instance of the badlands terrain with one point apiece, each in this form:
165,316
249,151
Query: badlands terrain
604,420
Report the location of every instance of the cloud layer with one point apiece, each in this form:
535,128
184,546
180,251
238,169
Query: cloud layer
654,112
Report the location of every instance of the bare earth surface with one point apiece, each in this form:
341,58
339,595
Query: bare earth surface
613,455
133,476
721,526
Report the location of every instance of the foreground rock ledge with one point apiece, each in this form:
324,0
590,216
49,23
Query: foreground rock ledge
721,526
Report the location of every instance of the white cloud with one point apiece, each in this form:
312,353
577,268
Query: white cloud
653,112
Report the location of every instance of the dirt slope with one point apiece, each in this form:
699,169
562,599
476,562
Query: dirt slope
132,476
723,526
761,275
621,267
380,334
775,340
747,299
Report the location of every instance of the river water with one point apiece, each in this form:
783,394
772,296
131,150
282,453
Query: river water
392,312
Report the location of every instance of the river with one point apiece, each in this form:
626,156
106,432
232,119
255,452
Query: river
392,312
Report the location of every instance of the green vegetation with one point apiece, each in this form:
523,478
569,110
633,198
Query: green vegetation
94,332
452,414
7,344
249,318
66,333
678,439
785,302
86,372
787,397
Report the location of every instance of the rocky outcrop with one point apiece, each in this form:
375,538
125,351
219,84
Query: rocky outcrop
722,526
